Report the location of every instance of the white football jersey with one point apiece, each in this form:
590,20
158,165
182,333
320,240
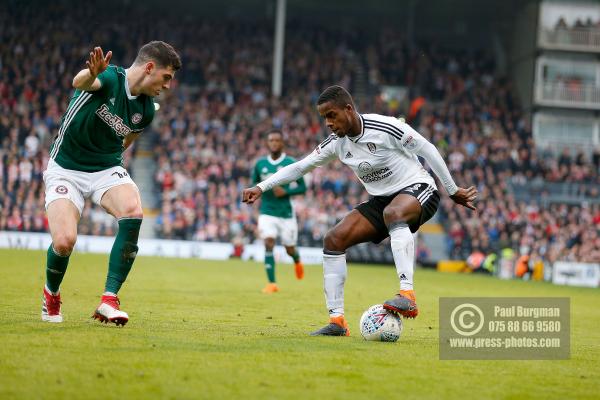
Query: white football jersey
382,156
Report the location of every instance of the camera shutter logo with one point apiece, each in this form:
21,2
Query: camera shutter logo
459,322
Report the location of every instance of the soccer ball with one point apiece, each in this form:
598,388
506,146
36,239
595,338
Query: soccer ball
376,324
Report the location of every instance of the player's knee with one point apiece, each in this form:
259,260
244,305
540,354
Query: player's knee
333,242
132,209
394,215
63,243
269,244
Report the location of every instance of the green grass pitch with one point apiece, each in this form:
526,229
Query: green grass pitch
203,330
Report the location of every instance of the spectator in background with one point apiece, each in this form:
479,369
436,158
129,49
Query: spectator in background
208,130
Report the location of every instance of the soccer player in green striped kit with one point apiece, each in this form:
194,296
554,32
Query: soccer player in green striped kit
277,216
110,108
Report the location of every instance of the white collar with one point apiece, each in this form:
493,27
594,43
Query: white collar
275,162
362,130
129,96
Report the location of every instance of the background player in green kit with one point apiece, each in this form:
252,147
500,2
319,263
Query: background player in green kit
108,111
277,216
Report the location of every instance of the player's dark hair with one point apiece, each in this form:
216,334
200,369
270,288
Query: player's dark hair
337,95
163,54
274,132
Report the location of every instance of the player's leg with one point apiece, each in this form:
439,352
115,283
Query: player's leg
298,266
354,228
64,204
121,200
267,230
403,216
270,266
124,203
289,238
63,217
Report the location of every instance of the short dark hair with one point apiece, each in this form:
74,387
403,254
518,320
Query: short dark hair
163,54
274,132
337,95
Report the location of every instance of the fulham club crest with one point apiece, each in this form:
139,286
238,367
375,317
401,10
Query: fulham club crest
365,167
371,147
410,143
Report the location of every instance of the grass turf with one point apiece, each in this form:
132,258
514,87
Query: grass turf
202,329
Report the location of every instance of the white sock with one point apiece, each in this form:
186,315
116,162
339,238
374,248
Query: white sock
334,277
403,249
416,243
51,292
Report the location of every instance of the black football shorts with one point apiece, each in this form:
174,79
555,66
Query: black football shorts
372,209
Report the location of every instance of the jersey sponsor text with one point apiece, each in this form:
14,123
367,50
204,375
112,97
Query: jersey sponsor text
377,175
114,121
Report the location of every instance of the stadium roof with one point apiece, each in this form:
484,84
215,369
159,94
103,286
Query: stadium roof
450,21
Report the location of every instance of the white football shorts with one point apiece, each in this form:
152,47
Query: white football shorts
274,227
76,186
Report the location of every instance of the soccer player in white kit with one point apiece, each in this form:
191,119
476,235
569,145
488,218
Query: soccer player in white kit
382,151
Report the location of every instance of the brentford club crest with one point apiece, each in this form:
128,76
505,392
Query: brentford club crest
136,118
371,147
62,189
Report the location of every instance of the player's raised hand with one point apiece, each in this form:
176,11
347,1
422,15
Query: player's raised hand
98,62
252,194
465,197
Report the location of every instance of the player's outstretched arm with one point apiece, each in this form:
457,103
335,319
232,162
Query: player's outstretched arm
87,79
417,144
464,197
287,174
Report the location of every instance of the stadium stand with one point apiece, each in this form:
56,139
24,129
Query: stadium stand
211,128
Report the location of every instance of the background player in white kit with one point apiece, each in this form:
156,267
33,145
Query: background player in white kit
382,151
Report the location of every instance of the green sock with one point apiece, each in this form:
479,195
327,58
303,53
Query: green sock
56,266
296,256
270,266
123,253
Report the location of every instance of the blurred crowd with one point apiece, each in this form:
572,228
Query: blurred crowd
579,23
210,135
211,127
39,55
488,143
